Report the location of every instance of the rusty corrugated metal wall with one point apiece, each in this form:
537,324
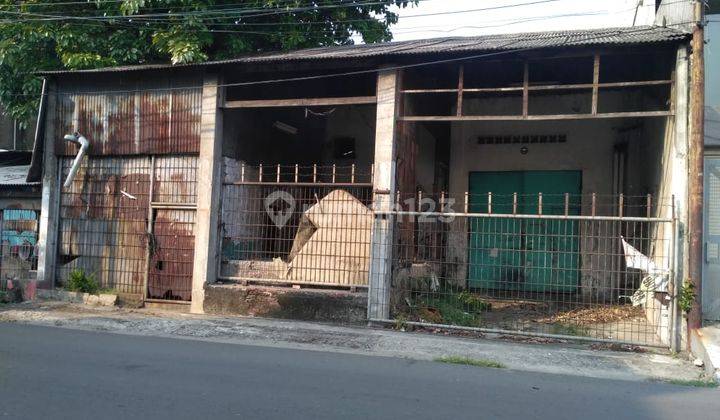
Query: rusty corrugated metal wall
128,217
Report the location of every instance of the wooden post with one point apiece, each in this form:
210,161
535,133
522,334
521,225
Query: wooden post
461,84
596,81
695,163
526,92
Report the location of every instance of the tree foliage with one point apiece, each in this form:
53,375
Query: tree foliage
38,35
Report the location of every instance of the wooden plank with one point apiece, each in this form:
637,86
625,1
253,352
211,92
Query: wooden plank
596,81
493,90
540,117
416,91
270,103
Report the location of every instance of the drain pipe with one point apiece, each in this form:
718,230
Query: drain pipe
84,144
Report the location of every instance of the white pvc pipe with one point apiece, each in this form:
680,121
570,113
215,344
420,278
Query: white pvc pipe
84,143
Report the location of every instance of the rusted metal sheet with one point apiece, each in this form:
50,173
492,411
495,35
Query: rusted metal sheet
131,123
172,254
103,221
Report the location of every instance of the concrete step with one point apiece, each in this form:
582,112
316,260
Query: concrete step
705,344
168,305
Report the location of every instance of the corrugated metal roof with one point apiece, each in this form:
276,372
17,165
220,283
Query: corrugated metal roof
457,45
14,175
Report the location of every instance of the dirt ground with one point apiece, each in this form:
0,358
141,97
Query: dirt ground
616,322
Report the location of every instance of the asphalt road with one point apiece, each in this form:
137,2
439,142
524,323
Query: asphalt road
61,373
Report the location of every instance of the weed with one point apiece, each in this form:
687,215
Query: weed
569,329
78,281
473,303
461,309
400,323
687,297
459,360
698,383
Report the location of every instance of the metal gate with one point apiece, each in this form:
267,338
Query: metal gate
18,247
621,266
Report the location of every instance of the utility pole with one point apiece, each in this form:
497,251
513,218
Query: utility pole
696,157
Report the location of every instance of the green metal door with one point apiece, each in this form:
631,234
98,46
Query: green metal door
533,255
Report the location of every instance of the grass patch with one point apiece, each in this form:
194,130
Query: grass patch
697,383
463,309
459,360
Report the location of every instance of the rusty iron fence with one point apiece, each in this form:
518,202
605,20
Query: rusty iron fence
587,266
18,248
296,224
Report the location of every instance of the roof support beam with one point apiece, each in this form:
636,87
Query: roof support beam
301,102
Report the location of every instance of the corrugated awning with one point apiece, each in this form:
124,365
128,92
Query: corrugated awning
14,176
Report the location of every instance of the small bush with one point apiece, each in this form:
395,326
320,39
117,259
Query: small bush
687,297
81,282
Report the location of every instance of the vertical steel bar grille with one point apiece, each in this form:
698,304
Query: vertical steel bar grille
18,248
103,220
577,269
175,180
297,224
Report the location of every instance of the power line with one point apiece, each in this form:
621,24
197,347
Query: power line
260,11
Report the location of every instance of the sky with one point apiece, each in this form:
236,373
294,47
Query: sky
440,18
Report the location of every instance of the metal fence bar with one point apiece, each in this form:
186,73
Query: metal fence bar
555,272
527,216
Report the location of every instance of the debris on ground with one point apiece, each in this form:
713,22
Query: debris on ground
595,315
618,347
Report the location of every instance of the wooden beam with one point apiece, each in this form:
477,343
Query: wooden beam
540,117
596,81
278,103
577,86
